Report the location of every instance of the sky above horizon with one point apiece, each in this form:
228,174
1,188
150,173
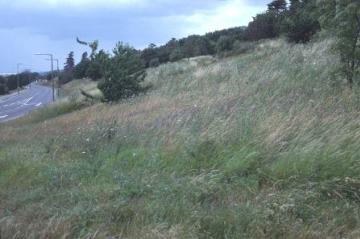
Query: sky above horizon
51,26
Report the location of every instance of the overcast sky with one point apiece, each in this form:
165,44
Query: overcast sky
31,26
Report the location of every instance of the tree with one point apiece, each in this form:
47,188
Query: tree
154,62
301,22
98,65
343,18
263,26
124,74
224,44
176,55
68,74
81,69
98,60
3,86
277,6
70,62
149,54
93,46
194,45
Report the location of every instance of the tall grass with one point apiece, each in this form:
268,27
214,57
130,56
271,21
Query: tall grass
260,145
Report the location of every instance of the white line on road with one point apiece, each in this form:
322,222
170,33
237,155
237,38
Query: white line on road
26,101
37,105
11,104
3,116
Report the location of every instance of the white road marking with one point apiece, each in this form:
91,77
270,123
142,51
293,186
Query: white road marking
16,105
26,101
20,102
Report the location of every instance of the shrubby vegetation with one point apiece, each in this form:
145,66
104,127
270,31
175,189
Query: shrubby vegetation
301,21
3,86
125,71
298,22
343,19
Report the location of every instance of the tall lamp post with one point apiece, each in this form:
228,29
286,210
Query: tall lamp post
58,75
18,76
57,63
52,70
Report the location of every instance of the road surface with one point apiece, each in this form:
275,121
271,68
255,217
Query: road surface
16,105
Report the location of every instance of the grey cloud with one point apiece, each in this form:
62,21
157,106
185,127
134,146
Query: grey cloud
56,29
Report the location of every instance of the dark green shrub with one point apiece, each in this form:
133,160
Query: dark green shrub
3,89
81,69
176,55
66,77
98,65
154,62
301,22
124,75
94,71
223,44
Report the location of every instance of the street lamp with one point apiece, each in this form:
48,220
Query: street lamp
58,75
52,70
57,63
18,76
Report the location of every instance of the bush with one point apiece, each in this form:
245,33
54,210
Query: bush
66,77
124,74
176,55
98,65
80,70
94,71
242,47
223,44
262,27
154,62
301,23
301,30
3,89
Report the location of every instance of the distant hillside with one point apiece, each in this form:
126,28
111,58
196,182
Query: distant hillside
259,145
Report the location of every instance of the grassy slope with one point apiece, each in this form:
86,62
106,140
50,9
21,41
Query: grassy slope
255,146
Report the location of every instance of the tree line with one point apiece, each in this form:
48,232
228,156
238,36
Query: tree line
12,82
121,71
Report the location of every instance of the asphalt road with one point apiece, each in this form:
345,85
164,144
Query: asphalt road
17,104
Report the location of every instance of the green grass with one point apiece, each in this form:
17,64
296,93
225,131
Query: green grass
260,145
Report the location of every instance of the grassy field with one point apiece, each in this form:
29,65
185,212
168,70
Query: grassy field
260,145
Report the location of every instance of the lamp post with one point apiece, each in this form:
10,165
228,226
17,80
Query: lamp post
58,75
18,77
57,63
52,70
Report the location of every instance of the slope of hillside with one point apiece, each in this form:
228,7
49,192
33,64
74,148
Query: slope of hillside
261,145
